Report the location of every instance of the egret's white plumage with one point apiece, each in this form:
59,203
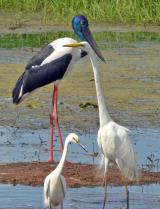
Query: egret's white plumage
113,139
55,184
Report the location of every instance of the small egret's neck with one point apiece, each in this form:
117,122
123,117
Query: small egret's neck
103,112
59,168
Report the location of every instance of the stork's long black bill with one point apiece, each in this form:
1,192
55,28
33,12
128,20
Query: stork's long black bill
88,36
83,147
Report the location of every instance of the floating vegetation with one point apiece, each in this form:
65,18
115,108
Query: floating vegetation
33,105
88,105
105,39
152,163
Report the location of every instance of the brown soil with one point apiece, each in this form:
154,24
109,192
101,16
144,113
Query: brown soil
76,175
32,23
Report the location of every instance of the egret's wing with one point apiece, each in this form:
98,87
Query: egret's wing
63,185
46,190
40,76
126,158
99,141
38,58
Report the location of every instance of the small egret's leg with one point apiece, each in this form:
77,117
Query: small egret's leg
51,159
61,205
105,193
56,118
127,196
105,182
50,206
126,191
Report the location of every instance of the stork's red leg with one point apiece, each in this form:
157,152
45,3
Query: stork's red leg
56,118
51,128
51,140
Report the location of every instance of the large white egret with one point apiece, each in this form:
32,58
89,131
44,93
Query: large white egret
55,184
113,139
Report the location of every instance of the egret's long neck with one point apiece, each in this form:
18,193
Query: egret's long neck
103,112
59,167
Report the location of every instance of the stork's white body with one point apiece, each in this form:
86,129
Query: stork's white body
60,51
50,65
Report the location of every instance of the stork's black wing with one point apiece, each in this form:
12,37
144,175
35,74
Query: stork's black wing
39,76
38,58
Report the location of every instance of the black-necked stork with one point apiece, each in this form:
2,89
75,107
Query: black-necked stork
50,65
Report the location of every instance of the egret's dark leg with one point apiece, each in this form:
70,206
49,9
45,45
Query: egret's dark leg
56,118
105,182
51,128
105,192
126,191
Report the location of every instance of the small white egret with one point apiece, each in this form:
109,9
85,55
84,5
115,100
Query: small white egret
54,183
113,139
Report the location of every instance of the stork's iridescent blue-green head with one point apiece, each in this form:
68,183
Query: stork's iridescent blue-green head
81,28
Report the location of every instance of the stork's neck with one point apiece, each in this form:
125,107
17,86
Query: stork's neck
59,168
103,112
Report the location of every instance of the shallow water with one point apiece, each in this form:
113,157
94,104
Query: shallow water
28,145
26,197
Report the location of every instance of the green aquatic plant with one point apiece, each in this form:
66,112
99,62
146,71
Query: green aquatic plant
152,163
105,39
88,104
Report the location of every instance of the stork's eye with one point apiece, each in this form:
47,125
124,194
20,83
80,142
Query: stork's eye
83,23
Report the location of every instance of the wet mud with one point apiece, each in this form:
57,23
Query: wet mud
77,175
27,23
131,88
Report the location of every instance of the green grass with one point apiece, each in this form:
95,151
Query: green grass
113,11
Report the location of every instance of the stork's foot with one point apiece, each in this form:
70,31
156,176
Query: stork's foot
69,162
51,160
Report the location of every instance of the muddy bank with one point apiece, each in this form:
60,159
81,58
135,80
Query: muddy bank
76,175
13,23
30,23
